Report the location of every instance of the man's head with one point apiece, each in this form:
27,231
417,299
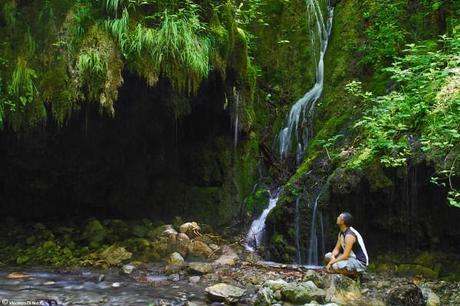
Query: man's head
345,218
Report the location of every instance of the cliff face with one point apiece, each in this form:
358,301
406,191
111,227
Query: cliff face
125,109
162,108
392,201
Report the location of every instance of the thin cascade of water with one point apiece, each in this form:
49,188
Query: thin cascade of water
256,231
298,125
236,127
313,241
297,230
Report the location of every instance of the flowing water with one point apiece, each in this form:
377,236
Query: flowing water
313,258
256,231
85,286
297,230
299,127
236,115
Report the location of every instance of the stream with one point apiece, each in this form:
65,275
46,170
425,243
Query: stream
90,286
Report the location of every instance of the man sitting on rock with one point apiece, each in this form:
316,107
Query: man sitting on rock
353,259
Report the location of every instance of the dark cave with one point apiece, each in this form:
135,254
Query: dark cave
143,162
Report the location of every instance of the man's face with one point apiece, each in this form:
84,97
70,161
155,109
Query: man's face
340,219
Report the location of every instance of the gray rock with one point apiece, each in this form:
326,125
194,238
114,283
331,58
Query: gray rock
224,293
174,277
301,293
264,297
176,259
431,298
275,285
228,256
127,269
194,279
405,294
199,268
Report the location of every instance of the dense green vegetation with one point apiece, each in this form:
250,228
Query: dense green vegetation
77,52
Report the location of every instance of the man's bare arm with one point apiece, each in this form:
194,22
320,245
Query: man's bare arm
336,250
349,241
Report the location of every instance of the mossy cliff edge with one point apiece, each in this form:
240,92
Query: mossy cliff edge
389,190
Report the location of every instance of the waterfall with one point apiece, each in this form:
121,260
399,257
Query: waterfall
237,102
255,234
297,230
313,258
299,128
298,125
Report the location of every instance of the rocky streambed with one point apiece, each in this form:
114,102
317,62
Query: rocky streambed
230,278
197,268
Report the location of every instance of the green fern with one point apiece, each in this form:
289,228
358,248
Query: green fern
22,87
113,5
90,62
9,13
180,52
119,29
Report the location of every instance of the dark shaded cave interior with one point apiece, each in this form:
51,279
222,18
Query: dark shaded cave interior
142,163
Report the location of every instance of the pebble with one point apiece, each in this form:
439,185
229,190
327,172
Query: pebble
116,285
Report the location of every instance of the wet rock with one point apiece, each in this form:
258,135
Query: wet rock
95,233
275,285
315,277
174,277
301,293
431,298
405,294
114,255
342,290
128,269
199,268
175,263
194,279
116,285
168,231
199,249
182,244
339,281
264,297
224,293
228,256
175,259
17,275
190,228
190,303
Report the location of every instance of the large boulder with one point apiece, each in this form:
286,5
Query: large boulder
342,290
182,244
175,263
264,297
224,293
95,233
228,256
199,268
431,298
191,229
405,294
114,255
176,259
199,249
301,293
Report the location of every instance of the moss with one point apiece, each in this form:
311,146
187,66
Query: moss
70,33
256,202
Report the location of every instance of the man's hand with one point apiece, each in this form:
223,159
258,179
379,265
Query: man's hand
329,265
